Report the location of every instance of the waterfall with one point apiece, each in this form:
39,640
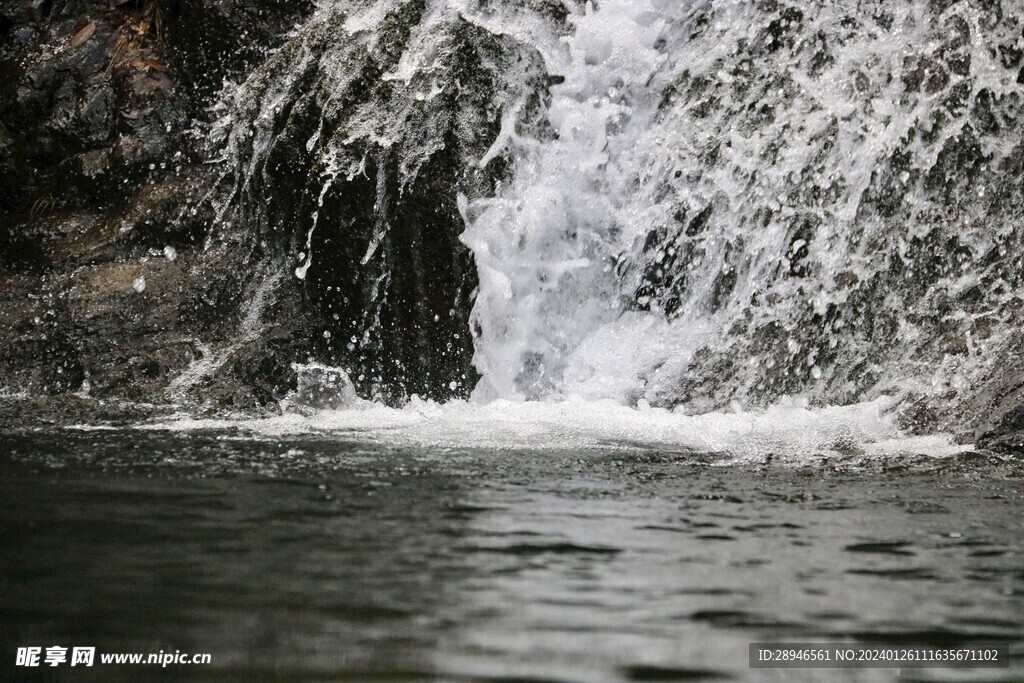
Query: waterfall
697,205
740,201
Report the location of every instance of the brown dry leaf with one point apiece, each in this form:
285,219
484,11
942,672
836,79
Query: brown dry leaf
84,34
148,65
140,27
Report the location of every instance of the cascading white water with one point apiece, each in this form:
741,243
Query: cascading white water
550,306
722,169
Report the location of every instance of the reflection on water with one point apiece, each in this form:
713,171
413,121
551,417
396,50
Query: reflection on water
310,559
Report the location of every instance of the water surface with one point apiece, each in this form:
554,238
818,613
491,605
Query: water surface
310,558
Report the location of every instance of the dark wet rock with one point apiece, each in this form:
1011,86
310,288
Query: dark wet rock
97,109
17,413
322,388
998,408
35,351
358,173
218,39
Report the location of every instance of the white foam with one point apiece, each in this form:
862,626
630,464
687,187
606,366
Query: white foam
791,431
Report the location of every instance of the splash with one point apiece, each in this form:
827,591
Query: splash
788,434
211,360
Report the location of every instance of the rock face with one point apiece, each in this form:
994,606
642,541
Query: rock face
108,282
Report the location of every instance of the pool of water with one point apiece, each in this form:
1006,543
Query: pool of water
328,558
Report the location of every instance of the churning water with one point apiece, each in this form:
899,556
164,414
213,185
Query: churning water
725,176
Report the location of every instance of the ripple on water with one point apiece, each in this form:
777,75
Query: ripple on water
362,561
881,547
